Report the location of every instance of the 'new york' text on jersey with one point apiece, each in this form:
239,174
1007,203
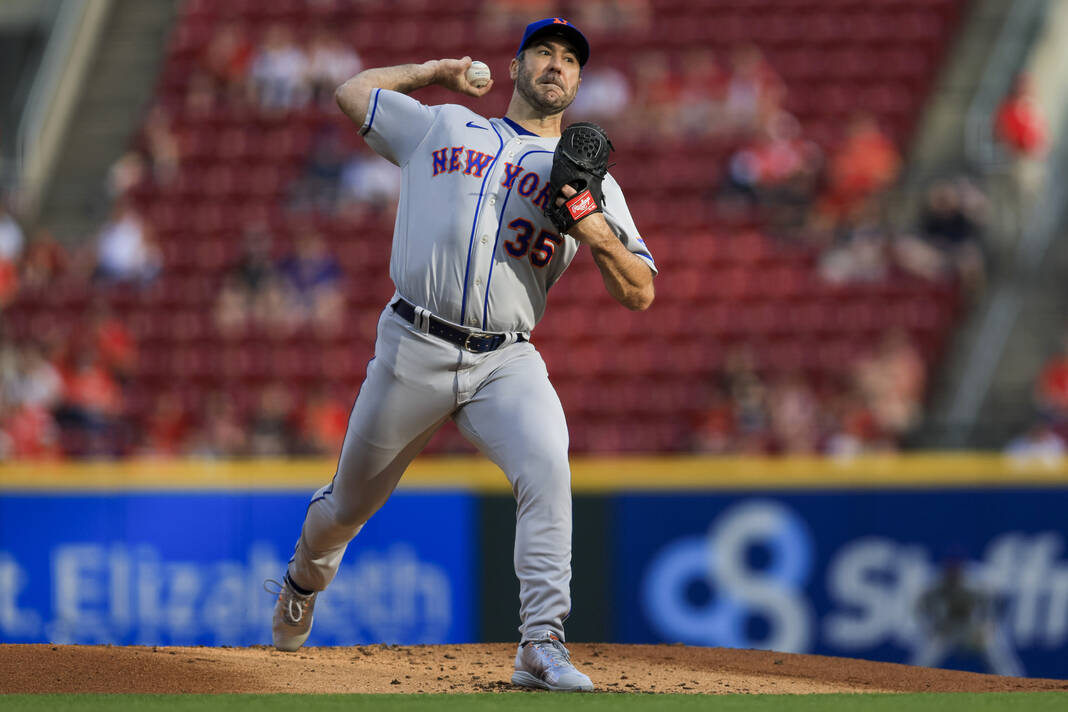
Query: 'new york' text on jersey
471,243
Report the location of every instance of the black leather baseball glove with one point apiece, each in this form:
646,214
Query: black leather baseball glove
581,161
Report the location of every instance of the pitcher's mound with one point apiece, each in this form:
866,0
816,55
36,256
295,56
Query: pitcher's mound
465,668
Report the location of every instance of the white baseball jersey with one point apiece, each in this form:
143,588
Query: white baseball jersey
471,244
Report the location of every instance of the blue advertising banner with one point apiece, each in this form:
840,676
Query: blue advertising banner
189,568
971,579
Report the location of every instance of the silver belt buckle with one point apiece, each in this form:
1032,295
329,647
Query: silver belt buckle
472,335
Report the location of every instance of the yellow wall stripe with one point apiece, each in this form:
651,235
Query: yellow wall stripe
589,475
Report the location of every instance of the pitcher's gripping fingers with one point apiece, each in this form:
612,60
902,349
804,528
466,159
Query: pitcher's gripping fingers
452,74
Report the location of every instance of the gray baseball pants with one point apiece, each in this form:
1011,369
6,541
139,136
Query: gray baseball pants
503,402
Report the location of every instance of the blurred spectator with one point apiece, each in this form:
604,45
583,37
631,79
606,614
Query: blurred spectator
1019,123
271,427
702,93
126,250
369,185
852,427
127,172
12,239
1051,388
30,387
9,368
92,404
953,219
860,252
279,72
749,401
1021,127
714,432
45,261
255,268
864,164
9,282
113,342
776,172
28,432
953,212
39,383
893,380
330,63
167,427
250,290
317,187
949,244
279,310
323,423
794,415
311,277
1041,444
221,434
226,62
604,99
12,244
161,146
754,91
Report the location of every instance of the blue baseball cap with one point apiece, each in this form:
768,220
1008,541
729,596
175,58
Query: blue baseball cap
562,28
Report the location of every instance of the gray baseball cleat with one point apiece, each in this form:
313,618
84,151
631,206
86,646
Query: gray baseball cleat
292,615
545,663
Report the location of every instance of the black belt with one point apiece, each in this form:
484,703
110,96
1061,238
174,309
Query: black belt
475,341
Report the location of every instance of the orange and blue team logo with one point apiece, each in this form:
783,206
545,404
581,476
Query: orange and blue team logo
559,21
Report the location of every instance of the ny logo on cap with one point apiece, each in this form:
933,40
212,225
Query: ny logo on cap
559,21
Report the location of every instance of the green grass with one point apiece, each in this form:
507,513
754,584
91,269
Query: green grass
964,702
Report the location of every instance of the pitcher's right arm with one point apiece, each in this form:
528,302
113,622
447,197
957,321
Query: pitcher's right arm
354,96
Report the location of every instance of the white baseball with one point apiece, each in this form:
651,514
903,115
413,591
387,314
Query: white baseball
478,74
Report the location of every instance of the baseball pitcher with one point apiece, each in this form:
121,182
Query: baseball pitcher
491,212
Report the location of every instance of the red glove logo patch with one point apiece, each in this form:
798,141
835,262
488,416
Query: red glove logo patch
581,205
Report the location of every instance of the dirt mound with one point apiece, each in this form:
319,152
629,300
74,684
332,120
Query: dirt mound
464,668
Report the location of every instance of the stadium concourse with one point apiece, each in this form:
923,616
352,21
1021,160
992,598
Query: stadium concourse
757,149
